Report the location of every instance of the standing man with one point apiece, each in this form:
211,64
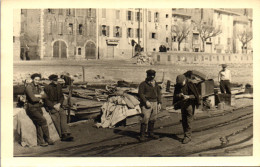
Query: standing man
34,111
150,95
186,97
224,78
53,104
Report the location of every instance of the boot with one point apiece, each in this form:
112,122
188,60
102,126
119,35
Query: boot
186,140
45,131
40,140
66,137
142,132
150,130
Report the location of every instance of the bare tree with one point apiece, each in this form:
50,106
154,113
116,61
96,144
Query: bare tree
207,30
181,31
245,37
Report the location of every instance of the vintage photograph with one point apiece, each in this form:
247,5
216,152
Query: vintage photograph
132,82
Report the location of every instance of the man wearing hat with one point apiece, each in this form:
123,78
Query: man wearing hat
224,78
53,104
186,97
33,109
150,102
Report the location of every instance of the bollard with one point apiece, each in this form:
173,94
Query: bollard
83,71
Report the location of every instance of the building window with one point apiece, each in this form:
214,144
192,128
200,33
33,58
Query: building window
51,11
89,11
118,14
149,16
138,16
103,13
60,11
138,33
167,39
156,17
117,31
13,39
70,28
104,30
49,27
79,51
60,28
130,32
153,35
166,15
70,12
166,27
129,15
174,38
228,41
80,29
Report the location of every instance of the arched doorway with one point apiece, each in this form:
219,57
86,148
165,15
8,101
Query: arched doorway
90,50
59,49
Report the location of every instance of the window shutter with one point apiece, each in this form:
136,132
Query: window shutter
149,16
136,15
155,17
136,31
126,15
114,31
120,31
100,30
150,35
127,33
141,17
141,33
107,31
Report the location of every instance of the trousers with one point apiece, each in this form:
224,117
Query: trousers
187,113
36,115
59,119
149,114
225,86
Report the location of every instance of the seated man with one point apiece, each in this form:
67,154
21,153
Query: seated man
53,104
34,111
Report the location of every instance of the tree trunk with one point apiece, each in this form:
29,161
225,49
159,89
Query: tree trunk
179,46
203,45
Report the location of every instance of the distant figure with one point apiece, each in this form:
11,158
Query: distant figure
150,95
53,104
186,97
224,78
34,98
27,52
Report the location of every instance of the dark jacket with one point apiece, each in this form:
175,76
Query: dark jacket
147,92
54,95
30,91
188,89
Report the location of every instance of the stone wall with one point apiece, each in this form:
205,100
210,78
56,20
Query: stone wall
199,58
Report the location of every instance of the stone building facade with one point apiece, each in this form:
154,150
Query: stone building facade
115,33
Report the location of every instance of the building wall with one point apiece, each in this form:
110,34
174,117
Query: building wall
16,33
64,25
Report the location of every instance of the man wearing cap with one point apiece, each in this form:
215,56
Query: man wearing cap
33,109
186,97
53,104
150,102
224,78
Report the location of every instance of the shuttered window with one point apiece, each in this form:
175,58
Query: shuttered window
103,13
118,14
117,31
129,33
149,16
60,28
129,15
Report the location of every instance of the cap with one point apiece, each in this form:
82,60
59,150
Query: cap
224,65
150,72
36,75
53,77
180,79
